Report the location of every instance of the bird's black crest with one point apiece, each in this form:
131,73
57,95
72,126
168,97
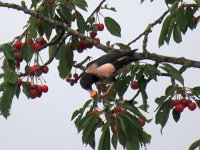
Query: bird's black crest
87,80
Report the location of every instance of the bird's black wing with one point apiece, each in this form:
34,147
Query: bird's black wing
110,58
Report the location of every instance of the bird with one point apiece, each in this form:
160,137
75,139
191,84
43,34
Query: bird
105,67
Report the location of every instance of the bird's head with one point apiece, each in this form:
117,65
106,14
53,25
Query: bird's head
87,80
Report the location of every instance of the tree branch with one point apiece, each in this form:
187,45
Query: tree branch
106,49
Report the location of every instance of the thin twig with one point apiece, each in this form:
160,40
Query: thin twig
149,27
97,8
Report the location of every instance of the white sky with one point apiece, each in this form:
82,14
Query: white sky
44,124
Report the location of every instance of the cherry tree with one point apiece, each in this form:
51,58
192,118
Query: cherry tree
64,28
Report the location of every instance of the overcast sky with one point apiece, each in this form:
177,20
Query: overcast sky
44,124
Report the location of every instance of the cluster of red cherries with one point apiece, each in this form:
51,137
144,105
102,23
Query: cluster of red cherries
30,88
180,104
83,44
35,45
72,79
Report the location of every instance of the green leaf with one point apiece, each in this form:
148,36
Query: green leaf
198,103
80,22
114,140
176,115
104,142
8,51
181,18
170,30
133,109
34,3
170,90
164,29
18,92
26,89
131,131
170,1
85,121
145,138
123,83
197,2
160,100
112,26
53,49
177,34
90,129
189,16
82,4
195,145
162,114
174,7
26,51
6,98
174,73
151,71
47,28
75,113
9,75
195,90
66,14
2,75
32,27
66,60
121,132
142,83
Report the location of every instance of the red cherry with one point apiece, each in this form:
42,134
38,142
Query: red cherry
18,44
176,102
33,94
97,39
33,68
71,46
134,84
188,102
142,121
179,108
17,64
19,82
100,27
18,57
89,45
36,46
117,109
75,75
93,34
33,86
192,106
72,82
81,46
39,91
41,40
68,78
183,102
45,88
95,110
45,69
